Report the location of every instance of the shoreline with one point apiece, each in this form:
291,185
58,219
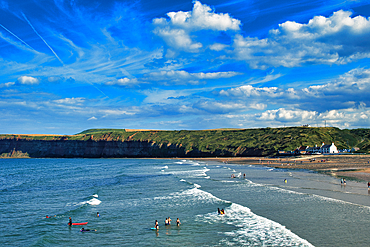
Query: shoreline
355,167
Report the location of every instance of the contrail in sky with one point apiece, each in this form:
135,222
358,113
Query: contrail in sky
42,38
17,37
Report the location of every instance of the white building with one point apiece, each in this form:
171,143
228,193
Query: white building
328,149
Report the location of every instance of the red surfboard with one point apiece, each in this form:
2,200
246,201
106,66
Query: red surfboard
78,224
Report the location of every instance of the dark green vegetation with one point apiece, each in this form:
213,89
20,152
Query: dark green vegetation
222,142
269,140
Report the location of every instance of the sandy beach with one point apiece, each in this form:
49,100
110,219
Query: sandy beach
347,166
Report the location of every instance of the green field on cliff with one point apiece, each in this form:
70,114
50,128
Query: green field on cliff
231,142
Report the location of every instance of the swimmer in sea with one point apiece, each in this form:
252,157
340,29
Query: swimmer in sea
166,222
70,221
219,211
87,230
178,222
222,211
156,226
169,220
97,214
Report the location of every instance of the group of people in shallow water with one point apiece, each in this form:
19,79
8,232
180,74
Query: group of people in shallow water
167,222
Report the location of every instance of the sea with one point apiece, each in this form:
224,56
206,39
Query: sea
266,207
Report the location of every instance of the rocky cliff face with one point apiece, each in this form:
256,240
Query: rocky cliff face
64,148
89,149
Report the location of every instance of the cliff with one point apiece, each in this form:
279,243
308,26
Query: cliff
115,143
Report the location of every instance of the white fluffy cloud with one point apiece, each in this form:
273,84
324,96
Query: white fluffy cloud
250,91
184,75
28,80
354,82
125,82
337,39
286,115
347,91
176,31
70,101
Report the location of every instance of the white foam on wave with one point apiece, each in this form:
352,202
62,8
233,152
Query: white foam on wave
191,173
192,197
95,195
253,230
94,201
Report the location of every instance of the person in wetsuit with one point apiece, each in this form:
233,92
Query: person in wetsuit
87,230
70,221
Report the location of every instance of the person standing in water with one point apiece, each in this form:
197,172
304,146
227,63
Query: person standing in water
156,226
97,214
169,220
178,222
70,221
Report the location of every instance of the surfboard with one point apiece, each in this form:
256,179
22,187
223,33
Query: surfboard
79,224
153,228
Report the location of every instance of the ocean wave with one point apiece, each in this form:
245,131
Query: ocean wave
253,230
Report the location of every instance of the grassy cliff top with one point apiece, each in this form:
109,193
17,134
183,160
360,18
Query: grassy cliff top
269,139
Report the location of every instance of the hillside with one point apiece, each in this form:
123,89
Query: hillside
183,143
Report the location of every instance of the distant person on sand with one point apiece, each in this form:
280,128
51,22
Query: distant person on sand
70,221
178,222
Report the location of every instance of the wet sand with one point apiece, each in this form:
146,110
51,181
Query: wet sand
347,166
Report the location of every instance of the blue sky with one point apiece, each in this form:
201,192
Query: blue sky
67,66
